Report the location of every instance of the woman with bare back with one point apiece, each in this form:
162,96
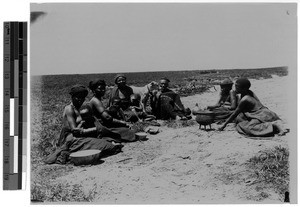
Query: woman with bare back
113,124
252,117
80,131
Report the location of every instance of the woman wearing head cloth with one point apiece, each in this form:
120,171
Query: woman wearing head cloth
118,128
122,91
226,104
228,98
79,132
252,118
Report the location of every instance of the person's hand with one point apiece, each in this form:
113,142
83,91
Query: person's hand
128,124
80,124
134,107
78,131
183,118
221,128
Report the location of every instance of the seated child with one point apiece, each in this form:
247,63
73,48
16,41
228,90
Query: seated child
137,108
115,109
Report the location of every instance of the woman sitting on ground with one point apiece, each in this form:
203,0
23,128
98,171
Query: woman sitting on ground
252,118
78,134
123,92
226,104
114,125
228,97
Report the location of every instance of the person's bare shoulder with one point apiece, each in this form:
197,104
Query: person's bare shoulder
95,101
68,110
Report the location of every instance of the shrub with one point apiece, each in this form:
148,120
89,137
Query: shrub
271,168
60,192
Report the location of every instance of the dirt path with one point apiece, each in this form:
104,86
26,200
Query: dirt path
185,165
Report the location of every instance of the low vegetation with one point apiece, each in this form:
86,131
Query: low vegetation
270,169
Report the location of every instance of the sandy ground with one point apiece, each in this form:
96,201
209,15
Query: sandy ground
186,165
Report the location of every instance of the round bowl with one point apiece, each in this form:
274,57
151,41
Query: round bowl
205,118
85,157
141,135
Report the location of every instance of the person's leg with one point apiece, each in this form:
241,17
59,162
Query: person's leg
279,127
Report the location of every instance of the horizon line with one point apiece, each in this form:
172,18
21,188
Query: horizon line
162,71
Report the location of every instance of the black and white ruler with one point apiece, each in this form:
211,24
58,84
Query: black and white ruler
15,105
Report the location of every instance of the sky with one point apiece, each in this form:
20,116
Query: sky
80,38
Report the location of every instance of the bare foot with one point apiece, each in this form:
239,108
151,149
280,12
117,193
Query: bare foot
283,132
116,143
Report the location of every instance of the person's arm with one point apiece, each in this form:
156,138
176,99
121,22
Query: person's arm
137,108
144,100
254,95
99,107
238,110
86,132
178,107
130,91
77,130
232,104
218,104
109,119
71,118
112,93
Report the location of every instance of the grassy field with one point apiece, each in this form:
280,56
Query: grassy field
49,95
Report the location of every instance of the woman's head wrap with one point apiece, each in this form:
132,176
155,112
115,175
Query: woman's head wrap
226,81
118,76
95,83
243,83
78,89
166,79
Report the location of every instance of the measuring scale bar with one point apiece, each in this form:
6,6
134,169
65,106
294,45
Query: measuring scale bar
15,105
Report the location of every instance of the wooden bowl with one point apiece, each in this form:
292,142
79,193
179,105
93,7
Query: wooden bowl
141,135
85,157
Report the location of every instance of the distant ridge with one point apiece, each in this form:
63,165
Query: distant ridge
176,77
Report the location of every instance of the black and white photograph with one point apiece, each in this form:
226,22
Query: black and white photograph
163,103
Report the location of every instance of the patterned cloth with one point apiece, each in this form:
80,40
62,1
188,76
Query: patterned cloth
168,105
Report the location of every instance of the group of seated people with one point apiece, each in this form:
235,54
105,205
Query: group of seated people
92,125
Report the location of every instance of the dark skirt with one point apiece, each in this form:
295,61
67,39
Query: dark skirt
168,106
67,144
